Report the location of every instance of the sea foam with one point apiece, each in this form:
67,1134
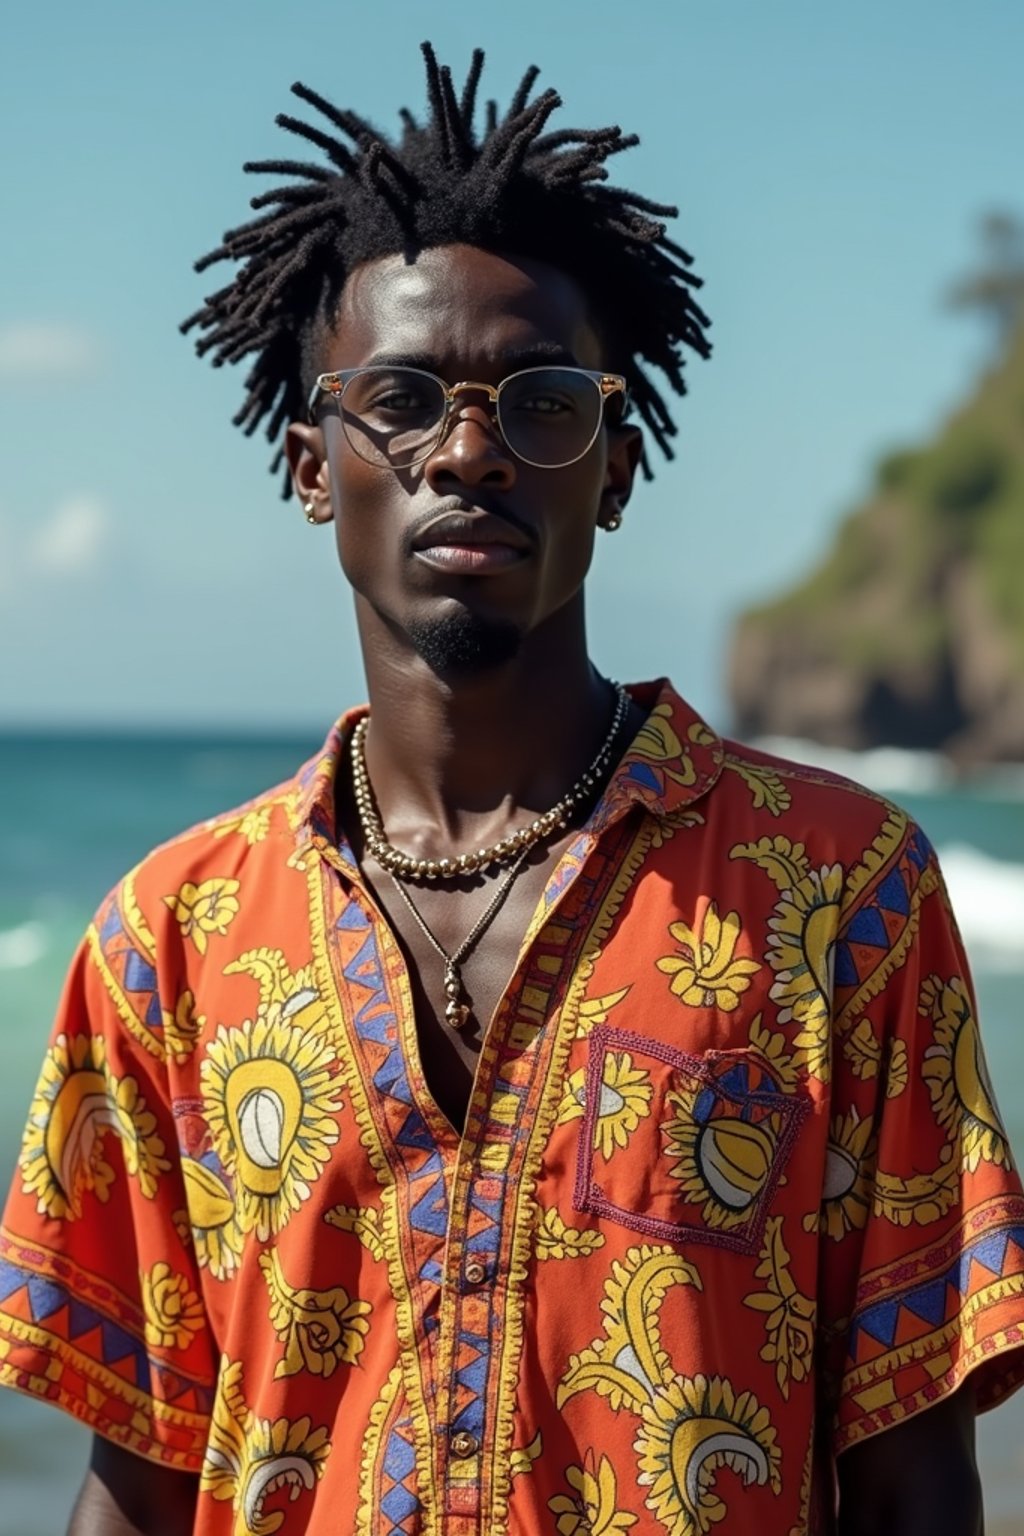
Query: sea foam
22,946
988,899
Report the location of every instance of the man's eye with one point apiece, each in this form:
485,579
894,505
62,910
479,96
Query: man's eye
398,400
547,405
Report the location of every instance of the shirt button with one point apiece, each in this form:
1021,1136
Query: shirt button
464,1444
475,1272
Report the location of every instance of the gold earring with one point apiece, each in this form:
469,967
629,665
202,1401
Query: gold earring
613,522
310,513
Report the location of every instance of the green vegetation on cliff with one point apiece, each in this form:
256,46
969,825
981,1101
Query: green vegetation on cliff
912,629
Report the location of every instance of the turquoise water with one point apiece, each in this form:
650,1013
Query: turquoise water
76,812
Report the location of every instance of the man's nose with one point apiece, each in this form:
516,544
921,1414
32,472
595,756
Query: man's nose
472,450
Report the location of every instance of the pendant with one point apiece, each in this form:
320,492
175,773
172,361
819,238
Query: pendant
456,1013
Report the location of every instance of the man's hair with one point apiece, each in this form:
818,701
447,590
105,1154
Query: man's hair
513,189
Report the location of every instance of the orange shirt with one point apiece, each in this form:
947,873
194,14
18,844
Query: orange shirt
733,1192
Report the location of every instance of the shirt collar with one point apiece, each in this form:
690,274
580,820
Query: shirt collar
672,761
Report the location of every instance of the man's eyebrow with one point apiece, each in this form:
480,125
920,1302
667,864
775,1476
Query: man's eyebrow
530,355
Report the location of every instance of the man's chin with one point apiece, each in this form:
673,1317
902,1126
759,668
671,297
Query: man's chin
462,644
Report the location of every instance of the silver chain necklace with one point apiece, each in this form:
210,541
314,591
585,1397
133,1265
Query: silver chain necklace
457,1011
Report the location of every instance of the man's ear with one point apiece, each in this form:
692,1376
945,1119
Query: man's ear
625,445
307,461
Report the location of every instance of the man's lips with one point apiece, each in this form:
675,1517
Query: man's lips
474,542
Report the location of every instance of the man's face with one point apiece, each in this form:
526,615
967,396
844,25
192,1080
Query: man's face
463,313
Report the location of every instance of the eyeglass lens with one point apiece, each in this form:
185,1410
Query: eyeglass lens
394,416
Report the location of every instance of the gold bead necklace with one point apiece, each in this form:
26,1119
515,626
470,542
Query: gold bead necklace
506,849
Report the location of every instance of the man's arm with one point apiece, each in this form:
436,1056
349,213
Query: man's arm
919,1478
123,1495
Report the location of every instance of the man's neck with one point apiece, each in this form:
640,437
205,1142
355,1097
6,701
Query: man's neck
456,762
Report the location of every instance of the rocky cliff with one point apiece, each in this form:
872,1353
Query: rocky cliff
911,633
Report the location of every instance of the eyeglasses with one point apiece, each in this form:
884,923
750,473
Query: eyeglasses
396,417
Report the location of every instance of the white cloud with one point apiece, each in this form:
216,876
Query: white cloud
46,350
71,539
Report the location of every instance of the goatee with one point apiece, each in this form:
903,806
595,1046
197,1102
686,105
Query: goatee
462,643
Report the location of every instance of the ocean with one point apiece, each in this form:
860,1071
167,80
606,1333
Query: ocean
77,811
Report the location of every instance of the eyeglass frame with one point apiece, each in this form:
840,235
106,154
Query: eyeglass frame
334,385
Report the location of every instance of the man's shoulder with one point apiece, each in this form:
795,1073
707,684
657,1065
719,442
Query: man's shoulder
835,819
202,869
811,783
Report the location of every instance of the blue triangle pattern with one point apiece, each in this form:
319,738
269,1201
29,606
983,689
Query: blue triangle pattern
81,1318
919,849
471,1418
880,1321
991,1251
430,1213
414,1133
390,1077
474,1375
154,1015
928,1303
376,1023
111,925
118,1344
867,927
44,1297
845,970
353,918
11,1279
139,975
489,1208
892,894
399,1457
398,1504
646,777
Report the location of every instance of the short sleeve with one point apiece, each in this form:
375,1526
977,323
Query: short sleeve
922,1224
101,1309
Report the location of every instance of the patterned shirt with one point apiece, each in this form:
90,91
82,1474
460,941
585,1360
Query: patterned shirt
732,1195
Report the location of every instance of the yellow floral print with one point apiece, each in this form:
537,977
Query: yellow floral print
248,1460
523,1457
707,974
173,1311
79,1100
320,1330
957,1076
657,741
767,790
364,1222
556,1240
595,1010
789,1314
783,861
203,909
625,1101
897,1075
628,1363
724,1164
183,1027
694,1427
591,1508
770,1045
800,951
253,825
271,1098
849,1169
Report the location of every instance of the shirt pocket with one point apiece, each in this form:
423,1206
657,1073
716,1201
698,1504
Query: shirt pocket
682,1147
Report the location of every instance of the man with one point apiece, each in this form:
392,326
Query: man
540,1115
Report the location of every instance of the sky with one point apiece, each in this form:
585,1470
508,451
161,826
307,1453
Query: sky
830,163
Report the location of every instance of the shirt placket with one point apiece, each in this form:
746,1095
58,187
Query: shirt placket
477,1359
464,1257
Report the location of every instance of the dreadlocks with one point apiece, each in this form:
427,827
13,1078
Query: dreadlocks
514,189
